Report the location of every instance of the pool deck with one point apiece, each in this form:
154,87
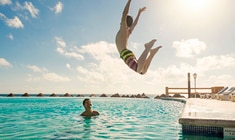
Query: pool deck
208,112
207,117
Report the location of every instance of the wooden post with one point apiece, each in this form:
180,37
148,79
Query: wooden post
189,88
166,90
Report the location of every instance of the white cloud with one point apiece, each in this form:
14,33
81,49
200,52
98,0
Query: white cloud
72,53
55,77
215,62
44,74
58,8
223,79
60,42
189,48
108,68
68,66
10,36
90,75
5,2
33,78
32,10
60,50
2,16
27,6
18,6
15,22
100,51
4,62
35,68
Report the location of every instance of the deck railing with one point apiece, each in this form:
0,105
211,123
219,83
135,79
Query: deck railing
175,90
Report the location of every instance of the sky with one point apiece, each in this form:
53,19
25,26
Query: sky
69,46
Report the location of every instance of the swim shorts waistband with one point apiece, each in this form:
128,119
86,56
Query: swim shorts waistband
129,58
125,54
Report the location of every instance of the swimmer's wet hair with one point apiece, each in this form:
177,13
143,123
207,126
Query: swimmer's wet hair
129,20
85,101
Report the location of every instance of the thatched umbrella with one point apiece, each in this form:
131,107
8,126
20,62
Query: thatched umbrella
40,95
92,95
138,96
144,96
133,96
116,95
53,95
103,95
80,95
25,95
11,95
157,97
178,96
67,95
125,96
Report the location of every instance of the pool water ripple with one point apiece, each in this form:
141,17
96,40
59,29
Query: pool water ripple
59,118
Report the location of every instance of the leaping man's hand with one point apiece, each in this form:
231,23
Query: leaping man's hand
142,9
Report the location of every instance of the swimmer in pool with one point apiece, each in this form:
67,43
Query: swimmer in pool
88,110
127,26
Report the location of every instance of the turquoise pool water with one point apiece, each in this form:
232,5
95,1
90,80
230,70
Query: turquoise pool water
58,118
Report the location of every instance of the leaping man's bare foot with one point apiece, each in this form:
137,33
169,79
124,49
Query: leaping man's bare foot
155,50
150,44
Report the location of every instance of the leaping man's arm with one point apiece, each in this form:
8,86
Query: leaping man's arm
137,18
125,11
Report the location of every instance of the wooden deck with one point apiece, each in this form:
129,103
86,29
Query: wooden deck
199,90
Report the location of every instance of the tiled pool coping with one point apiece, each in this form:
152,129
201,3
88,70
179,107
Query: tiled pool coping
207,117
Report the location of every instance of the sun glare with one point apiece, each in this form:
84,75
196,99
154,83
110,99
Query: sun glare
197,5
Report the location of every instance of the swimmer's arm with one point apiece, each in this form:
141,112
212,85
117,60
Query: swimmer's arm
83,114
96,112
137,18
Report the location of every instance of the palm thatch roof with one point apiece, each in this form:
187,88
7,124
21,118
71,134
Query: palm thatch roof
116,95
40,95
67,95
103,95
80,95
11,95
92,95
26,95
53,95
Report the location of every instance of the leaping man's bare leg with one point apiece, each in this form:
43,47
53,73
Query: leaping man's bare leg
149,59
142,58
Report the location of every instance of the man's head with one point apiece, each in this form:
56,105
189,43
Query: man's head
129,20
87,103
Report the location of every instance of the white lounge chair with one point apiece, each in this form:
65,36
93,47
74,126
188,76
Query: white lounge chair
225,96
217,95
202,96
232,97
214,96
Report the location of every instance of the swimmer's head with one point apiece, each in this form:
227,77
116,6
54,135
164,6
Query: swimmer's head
86,100
129,20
